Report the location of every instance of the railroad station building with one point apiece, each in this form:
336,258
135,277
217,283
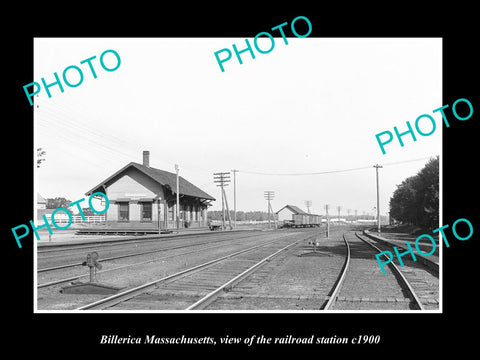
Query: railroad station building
143,197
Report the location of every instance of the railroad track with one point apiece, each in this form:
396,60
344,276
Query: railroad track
335,278
362,286
156,259
128,255
421,274
59,248
196,287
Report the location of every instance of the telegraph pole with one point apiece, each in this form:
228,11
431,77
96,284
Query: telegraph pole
308,203
328,220
178,200
234,199
338,209
223,178
378,197
269,195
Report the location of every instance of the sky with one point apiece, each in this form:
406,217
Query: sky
312,106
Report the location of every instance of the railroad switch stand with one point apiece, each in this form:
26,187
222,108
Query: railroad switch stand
93,264
314,244
92,287
314,252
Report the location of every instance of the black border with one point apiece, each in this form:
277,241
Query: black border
67,334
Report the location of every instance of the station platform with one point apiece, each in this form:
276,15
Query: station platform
119,231
432,261
69,237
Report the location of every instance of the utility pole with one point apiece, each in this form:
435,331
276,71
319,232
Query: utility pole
178,200
338,209
269,195
308,203
234,199
378,197
328,220
223,178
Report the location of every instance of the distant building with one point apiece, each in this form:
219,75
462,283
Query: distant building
296,217
287,211
143,197
42,210
41,202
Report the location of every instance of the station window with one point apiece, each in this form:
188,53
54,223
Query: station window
146,211
123,212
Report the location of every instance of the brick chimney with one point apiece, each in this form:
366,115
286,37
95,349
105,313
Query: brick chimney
146,158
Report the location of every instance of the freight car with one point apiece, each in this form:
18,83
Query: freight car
292,216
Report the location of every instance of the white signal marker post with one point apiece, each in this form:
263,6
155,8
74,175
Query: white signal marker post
328,220
308,203
178,201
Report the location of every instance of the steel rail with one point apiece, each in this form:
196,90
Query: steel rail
340,280
139,254
64,280
398,272
130,293
82,246
209,298
432,265
52,247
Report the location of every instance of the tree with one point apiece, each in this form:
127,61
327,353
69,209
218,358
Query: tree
416,199
241,215
402,202
88,212
427,200
58,202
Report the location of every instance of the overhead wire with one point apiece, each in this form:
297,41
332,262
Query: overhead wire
116,144
71,129
330,171
74,154
71,124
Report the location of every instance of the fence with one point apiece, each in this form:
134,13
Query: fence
61,218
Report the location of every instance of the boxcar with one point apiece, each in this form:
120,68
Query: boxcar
299,220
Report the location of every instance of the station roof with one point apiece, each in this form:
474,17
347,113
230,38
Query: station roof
163,177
